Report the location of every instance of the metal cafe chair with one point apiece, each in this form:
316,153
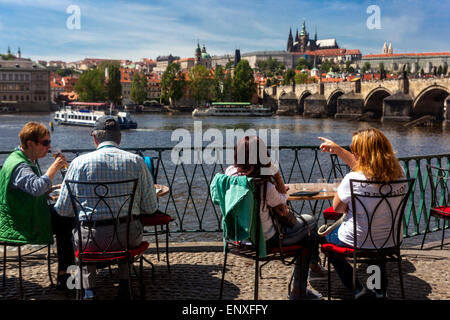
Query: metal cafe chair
245,248
440,198
157,219
20,256
115,201
387,202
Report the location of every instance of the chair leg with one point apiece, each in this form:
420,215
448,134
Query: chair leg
130,280
141,279
255,295
4,264
425,233
48,265
329,278
157,244
151,264
20,272
443,234
167,247
400,275
223,271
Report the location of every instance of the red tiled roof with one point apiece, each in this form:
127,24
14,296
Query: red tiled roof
333,52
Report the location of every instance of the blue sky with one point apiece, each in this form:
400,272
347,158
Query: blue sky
136,29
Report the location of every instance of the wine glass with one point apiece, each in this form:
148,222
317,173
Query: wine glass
322,184
336,183
56,151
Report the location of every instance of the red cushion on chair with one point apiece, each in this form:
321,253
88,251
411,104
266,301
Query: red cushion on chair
330,214
332,248
155,219
443,211
113,255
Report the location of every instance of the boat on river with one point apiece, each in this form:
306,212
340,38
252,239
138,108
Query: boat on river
87,113
233,109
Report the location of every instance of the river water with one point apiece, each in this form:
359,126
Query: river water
155,130
190,204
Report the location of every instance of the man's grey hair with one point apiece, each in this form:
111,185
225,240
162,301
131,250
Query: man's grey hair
107,135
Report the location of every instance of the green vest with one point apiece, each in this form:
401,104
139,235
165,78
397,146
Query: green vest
23,218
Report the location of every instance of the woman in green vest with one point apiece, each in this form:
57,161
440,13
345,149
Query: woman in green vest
25,216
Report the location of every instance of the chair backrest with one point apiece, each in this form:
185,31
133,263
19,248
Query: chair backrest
378,210
102,201
440,186
339,169
153,166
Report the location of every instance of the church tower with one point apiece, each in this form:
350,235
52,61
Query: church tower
198,53
385,48
390,50
303,39
290,42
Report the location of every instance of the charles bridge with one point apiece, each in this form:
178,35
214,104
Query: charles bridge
388,100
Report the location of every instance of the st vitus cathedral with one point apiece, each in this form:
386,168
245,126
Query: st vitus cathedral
302,43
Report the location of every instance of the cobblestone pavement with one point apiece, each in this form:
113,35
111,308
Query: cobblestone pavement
196,274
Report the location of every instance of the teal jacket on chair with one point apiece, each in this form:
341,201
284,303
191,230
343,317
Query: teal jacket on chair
236,197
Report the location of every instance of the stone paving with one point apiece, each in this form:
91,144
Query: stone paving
196,274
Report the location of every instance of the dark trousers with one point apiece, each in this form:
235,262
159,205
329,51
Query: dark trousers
62,228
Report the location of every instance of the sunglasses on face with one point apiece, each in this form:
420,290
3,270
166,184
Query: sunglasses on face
45,143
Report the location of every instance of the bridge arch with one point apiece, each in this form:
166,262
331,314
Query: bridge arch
430,101
332,101
374,101
301,101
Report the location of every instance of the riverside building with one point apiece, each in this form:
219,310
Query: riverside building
24,86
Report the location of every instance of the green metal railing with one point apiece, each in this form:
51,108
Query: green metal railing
189,200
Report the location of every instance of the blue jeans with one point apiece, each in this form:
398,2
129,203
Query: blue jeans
340,264
298,234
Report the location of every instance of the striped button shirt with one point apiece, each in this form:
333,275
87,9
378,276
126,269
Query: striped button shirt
108,163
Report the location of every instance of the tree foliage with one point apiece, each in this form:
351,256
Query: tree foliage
302,63
222,84
91,86
243,82
366,67
113,86
288,76
270,67
139,88
172,83
201,86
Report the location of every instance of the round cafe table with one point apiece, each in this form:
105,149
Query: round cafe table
322,195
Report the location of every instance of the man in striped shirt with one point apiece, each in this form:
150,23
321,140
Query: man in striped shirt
108,163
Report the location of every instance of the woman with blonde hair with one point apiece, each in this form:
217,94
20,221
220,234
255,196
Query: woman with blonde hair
371,158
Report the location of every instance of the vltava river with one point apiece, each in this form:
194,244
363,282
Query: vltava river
155,130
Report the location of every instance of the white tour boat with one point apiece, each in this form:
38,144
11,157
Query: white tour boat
232,109
86,113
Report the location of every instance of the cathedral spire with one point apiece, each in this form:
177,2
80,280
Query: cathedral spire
290,42
315,35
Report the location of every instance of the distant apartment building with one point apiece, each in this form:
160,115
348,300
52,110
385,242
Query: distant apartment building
62,86
162,62
186,63
413,62
57,64
154,86
24,86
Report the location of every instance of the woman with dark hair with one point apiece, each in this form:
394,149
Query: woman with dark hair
371,158
252,159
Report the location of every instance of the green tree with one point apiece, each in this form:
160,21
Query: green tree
302,63
445,69
366,67
90,87
288,76
172,83
440,70
202,84
222,84
113,86
243,82
139,88
270,67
